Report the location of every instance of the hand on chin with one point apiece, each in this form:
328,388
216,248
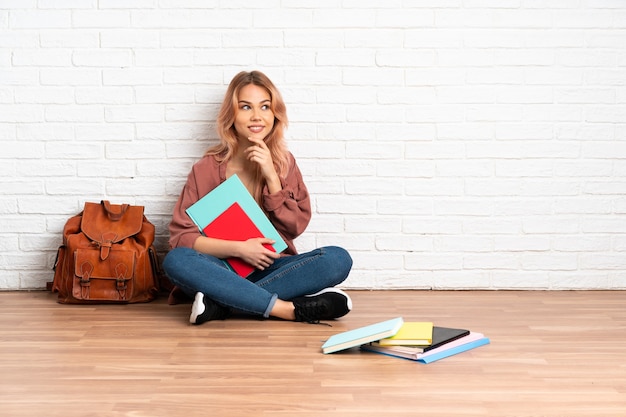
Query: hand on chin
255,138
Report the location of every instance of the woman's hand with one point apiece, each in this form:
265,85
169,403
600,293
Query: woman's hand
260,154
256,254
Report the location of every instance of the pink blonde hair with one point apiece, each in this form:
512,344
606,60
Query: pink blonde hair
275,141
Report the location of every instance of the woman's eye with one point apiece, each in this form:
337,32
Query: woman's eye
245,107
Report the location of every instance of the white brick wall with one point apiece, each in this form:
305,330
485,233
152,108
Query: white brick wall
455,144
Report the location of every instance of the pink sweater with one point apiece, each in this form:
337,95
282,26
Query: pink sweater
289,210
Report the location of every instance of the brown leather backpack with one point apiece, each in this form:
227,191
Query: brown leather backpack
107,256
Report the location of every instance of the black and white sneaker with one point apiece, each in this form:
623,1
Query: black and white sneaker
328,304
204,309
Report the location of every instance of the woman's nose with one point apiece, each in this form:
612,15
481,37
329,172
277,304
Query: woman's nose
256,115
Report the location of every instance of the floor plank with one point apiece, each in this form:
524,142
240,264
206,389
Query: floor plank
551,354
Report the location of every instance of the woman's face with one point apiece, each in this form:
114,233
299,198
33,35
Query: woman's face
254,116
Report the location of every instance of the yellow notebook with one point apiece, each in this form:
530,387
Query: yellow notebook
412,333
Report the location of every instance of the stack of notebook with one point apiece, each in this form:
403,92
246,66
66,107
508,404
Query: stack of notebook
419,341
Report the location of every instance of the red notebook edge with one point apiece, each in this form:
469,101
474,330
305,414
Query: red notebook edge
234,224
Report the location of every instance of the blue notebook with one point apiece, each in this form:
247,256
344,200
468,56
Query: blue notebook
362,335
216,202
471,341
435,356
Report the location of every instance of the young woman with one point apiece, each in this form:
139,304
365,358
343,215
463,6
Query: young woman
289,286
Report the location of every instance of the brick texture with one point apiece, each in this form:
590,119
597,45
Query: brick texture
447,145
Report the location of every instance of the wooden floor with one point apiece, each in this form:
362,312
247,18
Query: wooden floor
551,354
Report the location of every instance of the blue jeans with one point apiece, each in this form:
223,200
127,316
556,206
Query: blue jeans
287,278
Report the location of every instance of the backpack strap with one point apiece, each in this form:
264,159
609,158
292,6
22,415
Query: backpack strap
105,243
86,268
114,212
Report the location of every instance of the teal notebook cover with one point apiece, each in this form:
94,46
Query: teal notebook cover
209,207
362,335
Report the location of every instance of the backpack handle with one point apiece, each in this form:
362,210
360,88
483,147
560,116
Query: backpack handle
110,210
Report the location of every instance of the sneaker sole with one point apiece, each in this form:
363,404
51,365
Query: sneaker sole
335,290
197,308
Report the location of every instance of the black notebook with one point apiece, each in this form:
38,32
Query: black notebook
441,336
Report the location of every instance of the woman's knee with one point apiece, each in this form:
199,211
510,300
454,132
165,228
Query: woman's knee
173,257
181,261
340,259
340,255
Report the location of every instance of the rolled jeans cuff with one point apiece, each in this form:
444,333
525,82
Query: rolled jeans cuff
270,306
